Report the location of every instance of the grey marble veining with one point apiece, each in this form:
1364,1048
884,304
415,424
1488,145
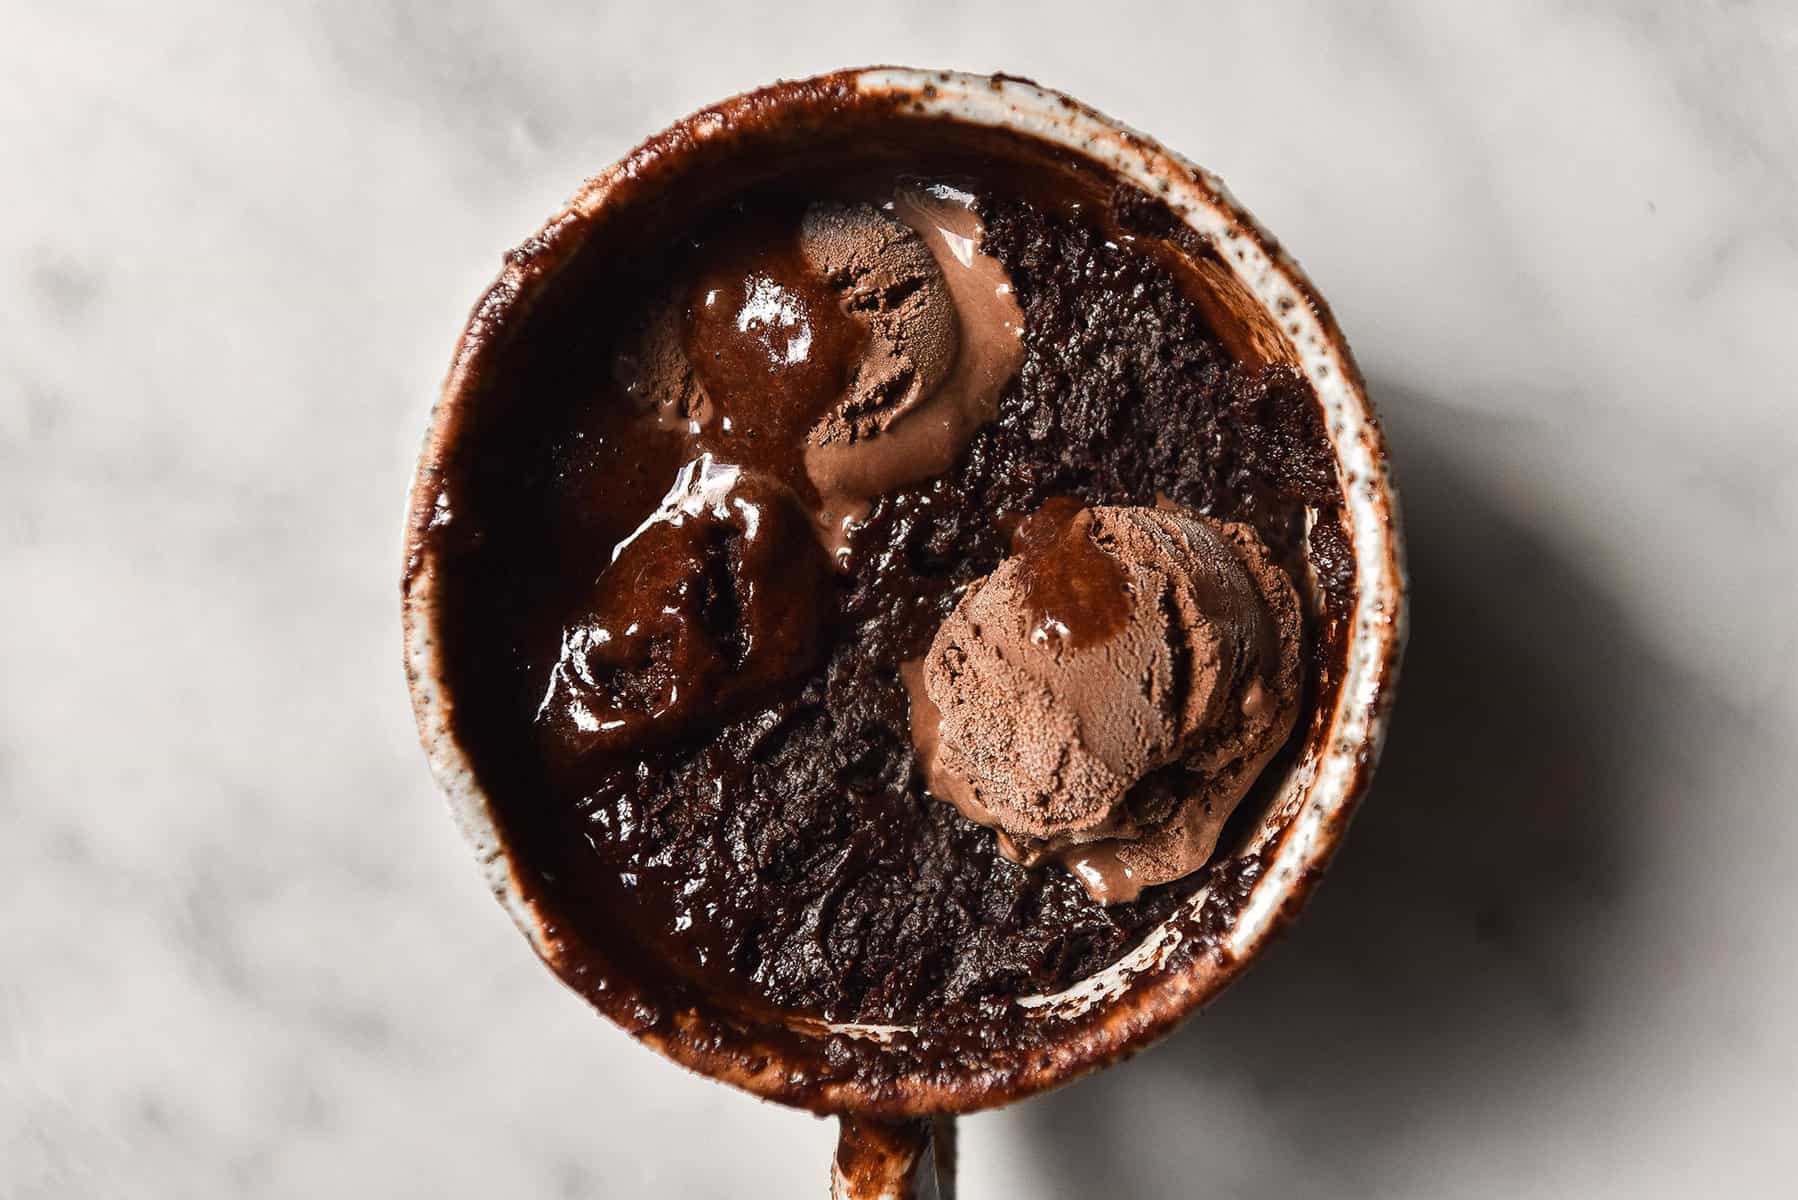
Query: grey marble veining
243,952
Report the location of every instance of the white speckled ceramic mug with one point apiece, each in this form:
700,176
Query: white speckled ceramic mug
1265,309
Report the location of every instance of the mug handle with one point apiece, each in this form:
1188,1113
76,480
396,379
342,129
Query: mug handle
894,1160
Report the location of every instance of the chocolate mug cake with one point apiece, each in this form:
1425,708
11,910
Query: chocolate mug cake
881,573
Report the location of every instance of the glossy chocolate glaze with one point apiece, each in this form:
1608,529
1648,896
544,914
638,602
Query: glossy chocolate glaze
771,840
1074,593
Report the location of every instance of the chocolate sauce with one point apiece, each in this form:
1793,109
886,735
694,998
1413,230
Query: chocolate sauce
771,344
689,717
719,596
1074,593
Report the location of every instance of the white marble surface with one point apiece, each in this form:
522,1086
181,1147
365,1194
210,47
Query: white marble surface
242,952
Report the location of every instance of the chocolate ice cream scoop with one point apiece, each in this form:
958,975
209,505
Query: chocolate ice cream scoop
943,337
1107,696
886,278
844,350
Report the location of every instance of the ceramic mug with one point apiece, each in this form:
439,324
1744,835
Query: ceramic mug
894,1085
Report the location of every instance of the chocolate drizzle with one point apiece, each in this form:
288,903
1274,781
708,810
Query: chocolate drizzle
772,347
1074,593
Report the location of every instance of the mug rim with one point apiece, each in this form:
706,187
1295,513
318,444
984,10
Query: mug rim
1351,738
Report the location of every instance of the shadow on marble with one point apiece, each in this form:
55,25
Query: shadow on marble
1439,976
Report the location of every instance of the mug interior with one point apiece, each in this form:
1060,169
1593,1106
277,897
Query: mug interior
1264,312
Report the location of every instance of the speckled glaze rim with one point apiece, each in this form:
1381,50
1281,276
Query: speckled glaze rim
1123,1008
